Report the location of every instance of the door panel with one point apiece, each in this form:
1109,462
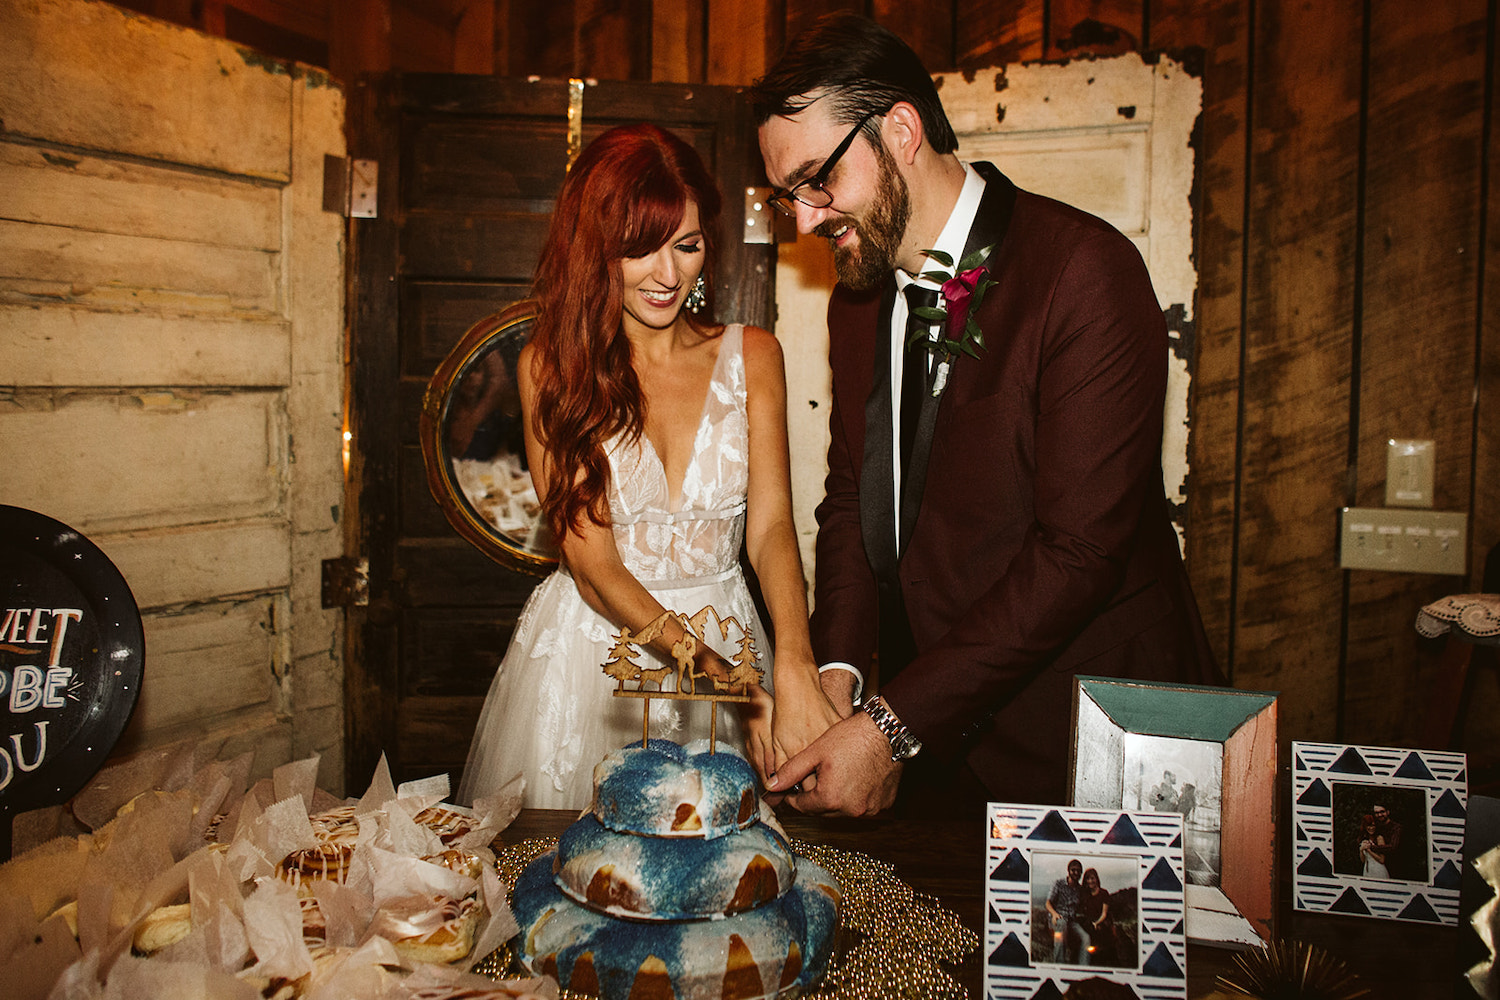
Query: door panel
469,168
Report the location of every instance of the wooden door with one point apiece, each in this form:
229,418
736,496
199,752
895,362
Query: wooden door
469,167
171,348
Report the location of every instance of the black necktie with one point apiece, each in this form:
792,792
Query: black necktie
914,369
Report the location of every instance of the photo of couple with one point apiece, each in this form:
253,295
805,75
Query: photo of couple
1380,832
1083,910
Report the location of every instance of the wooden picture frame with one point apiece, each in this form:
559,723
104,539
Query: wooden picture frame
1137,858
1139,745
1339,788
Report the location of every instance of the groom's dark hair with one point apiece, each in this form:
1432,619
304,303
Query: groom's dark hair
862,69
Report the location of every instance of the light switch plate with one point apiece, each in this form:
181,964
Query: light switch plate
1404,541
1409,470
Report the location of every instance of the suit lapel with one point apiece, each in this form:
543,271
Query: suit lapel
877,514
990,225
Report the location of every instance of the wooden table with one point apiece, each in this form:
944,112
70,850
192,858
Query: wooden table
945,859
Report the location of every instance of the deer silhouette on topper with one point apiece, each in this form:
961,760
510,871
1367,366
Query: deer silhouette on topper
686,670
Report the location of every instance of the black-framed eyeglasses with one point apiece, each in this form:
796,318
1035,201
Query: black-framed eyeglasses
811,192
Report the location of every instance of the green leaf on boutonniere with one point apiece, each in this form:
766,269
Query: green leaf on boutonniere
961,291
972,261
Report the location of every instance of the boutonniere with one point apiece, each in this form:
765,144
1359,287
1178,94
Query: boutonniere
963,289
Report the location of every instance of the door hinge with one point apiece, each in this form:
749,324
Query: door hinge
346,582
350,186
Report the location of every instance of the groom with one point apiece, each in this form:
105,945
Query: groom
994,520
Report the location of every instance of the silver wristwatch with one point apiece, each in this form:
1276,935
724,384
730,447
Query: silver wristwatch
904,746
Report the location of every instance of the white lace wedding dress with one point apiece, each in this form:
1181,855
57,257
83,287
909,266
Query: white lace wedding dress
551,715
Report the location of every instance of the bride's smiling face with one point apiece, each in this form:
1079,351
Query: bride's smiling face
656,285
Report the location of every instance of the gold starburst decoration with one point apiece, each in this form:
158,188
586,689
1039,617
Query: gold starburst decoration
1291,970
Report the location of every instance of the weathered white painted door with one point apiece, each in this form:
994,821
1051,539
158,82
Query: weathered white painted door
171,356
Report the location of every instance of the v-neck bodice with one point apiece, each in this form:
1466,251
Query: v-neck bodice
702,535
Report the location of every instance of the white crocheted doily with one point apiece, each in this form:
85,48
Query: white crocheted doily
1475,617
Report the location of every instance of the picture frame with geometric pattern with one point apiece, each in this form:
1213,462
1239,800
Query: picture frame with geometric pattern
1079,894
1378,831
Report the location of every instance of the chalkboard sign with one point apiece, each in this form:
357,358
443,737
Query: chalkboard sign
71,658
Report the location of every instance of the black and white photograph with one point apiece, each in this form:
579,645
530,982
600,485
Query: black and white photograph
1167,774
1084,910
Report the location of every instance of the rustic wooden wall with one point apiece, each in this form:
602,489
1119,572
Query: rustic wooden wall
1346,284
171,369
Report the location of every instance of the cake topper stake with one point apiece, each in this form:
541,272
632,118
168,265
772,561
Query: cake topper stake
684,669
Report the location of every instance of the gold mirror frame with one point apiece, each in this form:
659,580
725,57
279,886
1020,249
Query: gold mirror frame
479,371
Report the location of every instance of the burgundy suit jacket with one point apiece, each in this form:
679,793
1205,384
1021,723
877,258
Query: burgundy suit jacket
1043,546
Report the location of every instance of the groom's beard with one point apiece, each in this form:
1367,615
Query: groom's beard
868,262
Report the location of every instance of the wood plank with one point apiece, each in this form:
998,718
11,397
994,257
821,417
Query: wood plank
1038,98
73,452
1418,330
1094,27
418,42
96,194
474,38
97,92
207,661
1217,332
433,736
678,54
370,673
453,652
82,261
474,164
744,39
436,315
996,32
800,15
926,27
305,17
362,43
311,635
538,39
1299,342
257,731
1481,730
66,345
612,39
451,573
173,566
491,248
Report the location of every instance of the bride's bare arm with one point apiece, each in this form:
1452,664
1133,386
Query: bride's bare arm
589,550
802,712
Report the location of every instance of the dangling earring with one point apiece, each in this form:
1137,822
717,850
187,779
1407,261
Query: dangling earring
697,296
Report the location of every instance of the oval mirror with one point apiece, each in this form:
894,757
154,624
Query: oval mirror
473,449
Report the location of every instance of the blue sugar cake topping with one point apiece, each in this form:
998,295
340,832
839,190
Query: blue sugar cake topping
662,878
783,946
667,790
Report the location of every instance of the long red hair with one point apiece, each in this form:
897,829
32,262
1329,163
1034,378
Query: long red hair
625,196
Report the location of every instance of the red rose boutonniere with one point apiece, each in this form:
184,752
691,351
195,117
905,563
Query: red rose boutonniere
963,289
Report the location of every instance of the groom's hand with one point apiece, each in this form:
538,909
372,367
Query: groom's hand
854,773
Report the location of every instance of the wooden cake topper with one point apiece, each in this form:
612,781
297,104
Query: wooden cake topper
686,672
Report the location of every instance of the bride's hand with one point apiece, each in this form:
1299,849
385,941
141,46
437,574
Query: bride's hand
803,712
756,716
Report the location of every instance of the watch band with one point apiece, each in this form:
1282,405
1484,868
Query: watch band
904,746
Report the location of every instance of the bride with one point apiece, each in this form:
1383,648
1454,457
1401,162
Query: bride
657,440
